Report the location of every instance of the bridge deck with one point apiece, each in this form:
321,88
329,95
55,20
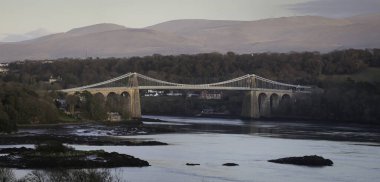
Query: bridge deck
142,82
121,89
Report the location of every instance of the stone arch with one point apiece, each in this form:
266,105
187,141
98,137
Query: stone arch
111,94
263,104
125,94
274,102
97,107
98,94
125,105
285,98
285,104
112,102
101,93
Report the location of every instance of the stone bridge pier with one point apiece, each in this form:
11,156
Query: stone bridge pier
258,104
133,95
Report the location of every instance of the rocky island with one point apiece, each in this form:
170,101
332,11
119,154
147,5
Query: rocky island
310,160
57,155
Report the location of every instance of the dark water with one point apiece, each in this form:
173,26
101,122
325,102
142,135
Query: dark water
211,142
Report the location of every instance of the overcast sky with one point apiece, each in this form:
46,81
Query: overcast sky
31,18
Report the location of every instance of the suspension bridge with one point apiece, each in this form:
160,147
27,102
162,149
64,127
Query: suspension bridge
263,95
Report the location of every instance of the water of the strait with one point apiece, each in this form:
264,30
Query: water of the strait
354,149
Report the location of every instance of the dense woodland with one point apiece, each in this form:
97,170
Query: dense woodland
347,77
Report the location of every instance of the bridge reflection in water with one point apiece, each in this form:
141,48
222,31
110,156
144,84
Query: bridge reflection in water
263,96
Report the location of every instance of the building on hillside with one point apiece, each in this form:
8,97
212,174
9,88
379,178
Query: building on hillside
47,62
207,95
173,94
4,67
3,70
60,103
53,79
192,94
153,93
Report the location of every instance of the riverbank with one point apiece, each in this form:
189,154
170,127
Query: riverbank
72,139
273,118
89,133
101,133
292,129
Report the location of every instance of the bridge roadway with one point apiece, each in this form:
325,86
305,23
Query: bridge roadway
185,87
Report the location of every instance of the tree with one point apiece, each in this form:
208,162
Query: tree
72,101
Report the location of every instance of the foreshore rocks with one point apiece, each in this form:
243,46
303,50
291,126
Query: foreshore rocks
192,164
56,157
73,139
311,160
230,164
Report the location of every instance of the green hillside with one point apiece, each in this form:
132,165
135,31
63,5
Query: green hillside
371,75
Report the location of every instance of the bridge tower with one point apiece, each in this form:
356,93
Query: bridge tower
135,96
257,103
250,108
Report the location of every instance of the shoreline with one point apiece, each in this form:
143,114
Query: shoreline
139,121
273,119
103,133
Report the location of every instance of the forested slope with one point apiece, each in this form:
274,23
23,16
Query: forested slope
351,87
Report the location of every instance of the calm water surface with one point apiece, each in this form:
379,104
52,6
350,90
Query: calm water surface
354,150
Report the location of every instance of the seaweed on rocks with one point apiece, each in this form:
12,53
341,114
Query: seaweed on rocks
57,155
311,160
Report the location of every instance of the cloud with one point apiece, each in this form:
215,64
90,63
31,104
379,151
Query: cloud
27,36
336,8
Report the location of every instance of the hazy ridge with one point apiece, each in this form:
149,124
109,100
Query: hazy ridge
299,33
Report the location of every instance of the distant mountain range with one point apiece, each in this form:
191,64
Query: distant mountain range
299,33
26,36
